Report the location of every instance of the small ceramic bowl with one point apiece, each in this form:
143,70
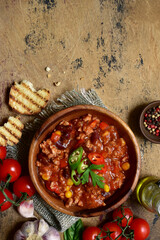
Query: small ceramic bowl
122,194
145,132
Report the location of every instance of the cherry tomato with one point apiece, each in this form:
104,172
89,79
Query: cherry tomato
7,204
12,167
114,228
3,152
90,233
96,158
103,125
125,213
54,188
141,229
23,184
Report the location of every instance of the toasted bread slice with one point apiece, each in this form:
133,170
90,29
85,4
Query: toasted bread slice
11,132
26,100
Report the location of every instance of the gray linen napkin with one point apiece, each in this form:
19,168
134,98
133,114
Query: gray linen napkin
20,151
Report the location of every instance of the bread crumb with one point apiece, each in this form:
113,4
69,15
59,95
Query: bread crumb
57,84
47,69
48,75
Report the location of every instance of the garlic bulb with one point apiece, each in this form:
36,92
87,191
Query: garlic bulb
36,230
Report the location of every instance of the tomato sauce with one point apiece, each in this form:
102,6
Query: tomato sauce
71,150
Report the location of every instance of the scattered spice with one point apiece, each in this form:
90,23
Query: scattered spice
57,84
152,120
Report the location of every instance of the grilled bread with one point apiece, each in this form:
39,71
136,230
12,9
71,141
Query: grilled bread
11,132
26,100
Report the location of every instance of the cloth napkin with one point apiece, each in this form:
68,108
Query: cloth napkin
20,151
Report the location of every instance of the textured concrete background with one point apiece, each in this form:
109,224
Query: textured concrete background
112,46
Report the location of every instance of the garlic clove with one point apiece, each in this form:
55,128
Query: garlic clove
19,236
51,234
26,208
41,227
28,228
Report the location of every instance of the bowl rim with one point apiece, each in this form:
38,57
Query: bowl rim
48,123
144,131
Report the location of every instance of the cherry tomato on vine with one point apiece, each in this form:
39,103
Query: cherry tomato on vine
12,167
7,204
3,152
96,158
114,228
90,233
124,213
23,184
141,229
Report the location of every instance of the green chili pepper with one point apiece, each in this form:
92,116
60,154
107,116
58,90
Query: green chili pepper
83,166
75,158
76,180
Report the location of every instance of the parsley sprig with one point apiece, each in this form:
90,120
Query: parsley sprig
96,179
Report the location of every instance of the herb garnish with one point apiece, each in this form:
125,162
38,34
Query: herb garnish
96,179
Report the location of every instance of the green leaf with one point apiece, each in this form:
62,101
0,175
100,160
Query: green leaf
85,176
74,232
96,167
93,176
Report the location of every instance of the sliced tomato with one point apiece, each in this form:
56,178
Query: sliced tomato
96,158
54,187
63,163
103,125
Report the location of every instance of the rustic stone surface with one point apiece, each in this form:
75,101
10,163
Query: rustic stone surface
110,46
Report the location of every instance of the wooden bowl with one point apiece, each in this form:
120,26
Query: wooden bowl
124,131
145,132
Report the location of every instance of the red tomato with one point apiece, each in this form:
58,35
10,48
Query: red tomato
125,213
3,152
54,188
93,124
12,167
114,228
63,163
7,204
23,184
103,125
90,233
141,229
96,158
55,137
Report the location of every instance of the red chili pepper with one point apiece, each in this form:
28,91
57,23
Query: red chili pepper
54,188
103,125
63,163
96,158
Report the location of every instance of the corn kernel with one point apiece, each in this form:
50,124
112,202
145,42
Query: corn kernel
106,188
45,176
59,133
67,188
106,133
68,194
123,143
125,166
69,182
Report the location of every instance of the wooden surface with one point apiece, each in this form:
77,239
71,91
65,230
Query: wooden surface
110,46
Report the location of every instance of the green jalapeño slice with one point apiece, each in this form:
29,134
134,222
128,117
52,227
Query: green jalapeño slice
75,158
75,178
83,166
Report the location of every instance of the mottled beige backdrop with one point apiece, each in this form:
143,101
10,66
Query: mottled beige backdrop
112,46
